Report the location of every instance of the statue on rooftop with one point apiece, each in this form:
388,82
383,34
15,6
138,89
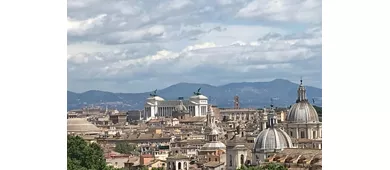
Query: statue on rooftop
198,92
154,94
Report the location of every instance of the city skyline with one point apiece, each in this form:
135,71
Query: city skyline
129,46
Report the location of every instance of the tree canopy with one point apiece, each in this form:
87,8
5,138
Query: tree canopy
84,156
268,166
319,111
126,148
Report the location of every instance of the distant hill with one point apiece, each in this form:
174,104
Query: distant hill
252,94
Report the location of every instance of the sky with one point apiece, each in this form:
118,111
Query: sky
138,46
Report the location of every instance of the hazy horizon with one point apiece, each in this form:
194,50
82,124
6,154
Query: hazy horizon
296,82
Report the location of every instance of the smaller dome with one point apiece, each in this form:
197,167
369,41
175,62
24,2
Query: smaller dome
214,146
272,139
198,97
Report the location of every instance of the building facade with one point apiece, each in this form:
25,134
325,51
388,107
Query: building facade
156,106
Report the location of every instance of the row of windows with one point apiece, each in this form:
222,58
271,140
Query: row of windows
303,135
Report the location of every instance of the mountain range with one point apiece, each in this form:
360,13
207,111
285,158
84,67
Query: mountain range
251,94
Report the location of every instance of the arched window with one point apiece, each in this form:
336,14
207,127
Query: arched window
179,165
302,134
230,160
242,160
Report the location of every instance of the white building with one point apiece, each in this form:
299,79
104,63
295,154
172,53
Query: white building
156,106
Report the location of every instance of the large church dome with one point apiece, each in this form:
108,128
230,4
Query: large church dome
81,125
302,111
271,140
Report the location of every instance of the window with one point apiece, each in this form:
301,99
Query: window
302,134
314,134
291,133
242,160
209,159
230,160
216,159
179,165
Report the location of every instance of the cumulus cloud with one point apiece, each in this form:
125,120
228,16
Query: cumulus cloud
286,55
107,20
283,10
130,45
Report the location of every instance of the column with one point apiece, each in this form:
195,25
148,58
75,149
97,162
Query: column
297,132
196,111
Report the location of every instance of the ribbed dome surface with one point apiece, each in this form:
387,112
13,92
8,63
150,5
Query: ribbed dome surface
213,146
81,125
272,139
302,112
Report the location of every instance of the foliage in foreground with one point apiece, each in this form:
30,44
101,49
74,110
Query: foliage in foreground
126,148
84,156
319,111
270,166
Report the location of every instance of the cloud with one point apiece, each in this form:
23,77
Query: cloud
131,45
162,20
273,54
283,10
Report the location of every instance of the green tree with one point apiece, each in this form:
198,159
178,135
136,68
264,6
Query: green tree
160,168
268,166
319,111
273,166
126,148
84,156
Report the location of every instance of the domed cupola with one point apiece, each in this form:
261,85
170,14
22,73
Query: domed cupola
302,111
272,139
213,141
